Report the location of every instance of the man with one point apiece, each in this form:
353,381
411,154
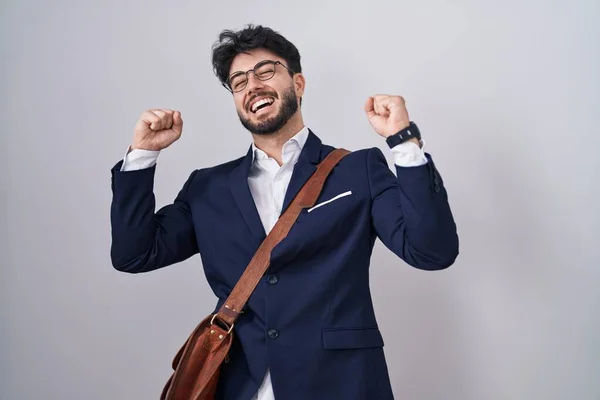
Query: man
309,330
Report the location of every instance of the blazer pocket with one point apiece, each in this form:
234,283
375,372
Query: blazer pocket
339,196
357,338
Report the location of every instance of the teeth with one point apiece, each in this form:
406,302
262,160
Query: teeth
260,103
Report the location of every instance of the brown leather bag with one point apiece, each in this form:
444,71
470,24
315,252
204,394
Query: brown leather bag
198,363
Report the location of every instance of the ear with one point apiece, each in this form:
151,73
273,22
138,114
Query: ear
299,84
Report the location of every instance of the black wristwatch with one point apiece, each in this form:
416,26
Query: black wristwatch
411,131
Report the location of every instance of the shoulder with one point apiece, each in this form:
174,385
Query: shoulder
358,157
216,172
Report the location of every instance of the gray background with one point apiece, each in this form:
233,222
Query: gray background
505,92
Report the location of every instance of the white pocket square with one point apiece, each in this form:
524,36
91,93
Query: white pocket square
339,196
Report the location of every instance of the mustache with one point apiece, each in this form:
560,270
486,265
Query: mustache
270,94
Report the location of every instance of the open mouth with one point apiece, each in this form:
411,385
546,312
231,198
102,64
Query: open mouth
261,105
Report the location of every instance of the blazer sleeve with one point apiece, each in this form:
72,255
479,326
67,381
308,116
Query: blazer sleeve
143,240
411,214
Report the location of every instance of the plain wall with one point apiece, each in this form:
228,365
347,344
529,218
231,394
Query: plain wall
506,94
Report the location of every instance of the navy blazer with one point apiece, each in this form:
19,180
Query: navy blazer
311,319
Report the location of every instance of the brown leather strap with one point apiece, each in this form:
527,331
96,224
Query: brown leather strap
306,197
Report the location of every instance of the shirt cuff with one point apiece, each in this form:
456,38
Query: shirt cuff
139,159
409,154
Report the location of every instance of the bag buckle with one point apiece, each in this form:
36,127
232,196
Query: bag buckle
230,328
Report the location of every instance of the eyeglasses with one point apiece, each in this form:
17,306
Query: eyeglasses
263,71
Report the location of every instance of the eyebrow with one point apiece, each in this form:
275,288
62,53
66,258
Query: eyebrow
243,72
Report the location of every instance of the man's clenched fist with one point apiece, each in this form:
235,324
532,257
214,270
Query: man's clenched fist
387,114
157,129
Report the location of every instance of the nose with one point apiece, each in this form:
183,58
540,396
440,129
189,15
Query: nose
254,84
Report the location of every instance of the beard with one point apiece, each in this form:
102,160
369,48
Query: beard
289,106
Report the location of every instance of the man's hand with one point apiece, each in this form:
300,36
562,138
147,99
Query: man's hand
157,129
387,114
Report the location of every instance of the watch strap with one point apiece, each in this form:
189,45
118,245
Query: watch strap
411,131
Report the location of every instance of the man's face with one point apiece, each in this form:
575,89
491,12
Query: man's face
264,107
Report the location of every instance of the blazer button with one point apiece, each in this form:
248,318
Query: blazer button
272,279
273,334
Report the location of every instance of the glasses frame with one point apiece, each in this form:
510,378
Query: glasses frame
259,64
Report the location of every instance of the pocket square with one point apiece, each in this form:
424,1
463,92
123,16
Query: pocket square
339,196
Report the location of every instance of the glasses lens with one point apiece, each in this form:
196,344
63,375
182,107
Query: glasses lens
265,70
237,82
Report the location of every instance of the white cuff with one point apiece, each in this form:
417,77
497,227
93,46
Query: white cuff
139,159
409,154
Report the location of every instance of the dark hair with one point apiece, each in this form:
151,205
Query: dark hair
232,43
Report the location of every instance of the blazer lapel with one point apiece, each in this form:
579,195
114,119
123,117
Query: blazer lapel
304,168
238,183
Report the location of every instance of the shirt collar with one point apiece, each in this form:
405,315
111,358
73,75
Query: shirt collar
296,142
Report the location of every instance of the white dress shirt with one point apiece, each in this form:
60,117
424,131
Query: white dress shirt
268,184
